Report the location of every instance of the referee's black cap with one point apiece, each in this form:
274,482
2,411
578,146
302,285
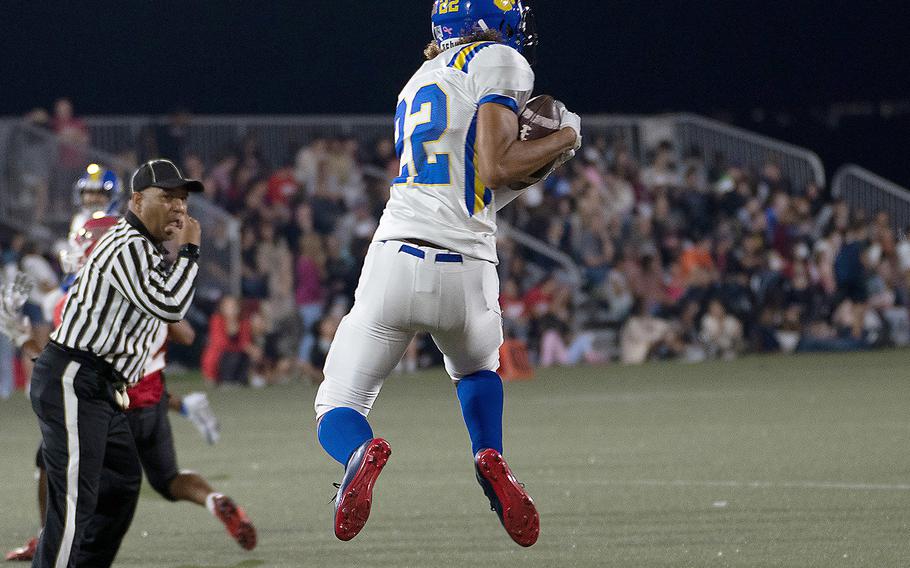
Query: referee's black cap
163,174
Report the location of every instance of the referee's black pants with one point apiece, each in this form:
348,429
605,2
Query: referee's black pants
93,470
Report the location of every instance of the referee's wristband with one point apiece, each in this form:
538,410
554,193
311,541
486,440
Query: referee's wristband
190,251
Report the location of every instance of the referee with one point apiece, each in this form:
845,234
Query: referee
121,298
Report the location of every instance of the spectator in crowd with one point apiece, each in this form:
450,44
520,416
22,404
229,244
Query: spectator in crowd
32,158
850,272
645,335
560,344
597,249
72,133
283,187
254,281
310,292
721,332
218,182
172,137
313,364
226,358
516,324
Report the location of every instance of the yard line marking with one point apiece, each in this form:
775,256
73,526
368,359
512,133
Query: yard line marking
823,485
753,484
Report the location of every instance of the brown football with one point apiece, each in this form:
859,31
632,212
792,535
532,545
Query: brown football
539,118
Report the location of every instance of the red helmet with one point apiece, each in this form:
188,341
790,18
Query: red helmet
84,241
93,230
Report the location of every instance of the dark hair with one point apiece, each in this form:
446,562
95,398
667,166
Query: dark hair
432,50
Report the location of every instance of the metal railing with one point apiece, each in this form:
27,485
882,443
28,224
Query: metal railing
626,130
37,172
572,273
211,137
277,137
736,145
866,191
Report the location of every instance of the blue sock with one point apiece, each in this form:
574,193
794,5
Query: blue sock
183,411
480,395
341,431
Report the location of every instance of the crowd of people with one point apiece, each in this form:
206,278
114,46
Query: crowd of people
680,258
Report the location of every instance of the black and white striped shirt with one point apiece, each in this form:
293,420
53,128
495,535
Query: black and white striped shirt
123,295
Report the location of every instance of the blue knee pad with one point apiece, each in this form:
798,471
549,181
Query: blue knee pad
481,400
341,431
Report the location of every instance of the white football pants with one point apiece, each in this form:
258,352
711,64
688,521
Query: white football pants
454,298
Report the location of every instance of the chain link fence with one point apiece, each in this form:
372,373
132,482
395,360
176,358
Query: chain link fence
863,190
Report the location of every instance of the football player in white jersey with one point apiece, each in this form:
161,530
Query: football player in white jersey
431,265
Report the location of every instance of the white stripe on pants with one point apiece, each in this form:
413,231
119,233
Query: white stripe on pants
71,413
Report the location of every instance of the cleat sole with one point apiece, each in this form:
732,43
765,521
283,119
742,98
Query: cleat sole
519,515
355,505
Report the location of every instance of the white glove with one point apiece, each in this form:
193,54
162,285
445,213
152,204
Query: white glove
571,120
18,330
565,157
13,296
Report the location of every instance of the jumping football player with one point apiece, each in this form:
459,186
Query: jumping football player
432,263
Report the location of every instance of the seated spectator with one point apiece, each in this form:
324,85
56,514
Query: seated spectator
662,171
559,345
226,358
597,250
282,187
254,282
618,295
721,333
313,365
644,335
514,312
697,256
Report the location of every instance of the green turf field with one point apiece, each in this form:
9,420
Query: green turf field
772,461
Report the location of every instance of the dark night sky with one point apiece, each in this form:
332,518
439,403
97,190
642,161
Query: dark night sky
351,56
717,57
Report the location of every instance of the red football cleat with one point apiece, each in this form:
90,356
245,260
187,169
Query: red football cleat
24,553
355,493
508,498
237,523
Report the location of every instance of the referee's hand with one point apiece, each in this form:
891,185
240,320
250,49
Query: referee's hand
191,232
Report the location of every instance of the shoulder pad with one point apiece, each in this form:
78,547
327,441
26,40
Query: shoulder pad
493,65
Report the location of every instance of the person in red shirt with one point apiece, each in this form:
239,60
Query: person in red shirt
72,133
283,187
227,353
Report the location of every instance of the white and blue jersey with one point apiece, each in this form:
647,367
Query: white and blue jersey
438,196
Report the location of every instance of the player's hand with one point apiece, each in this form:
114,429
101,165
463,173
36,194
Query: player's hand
568,119
18,330
191,232
14,294
565,157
